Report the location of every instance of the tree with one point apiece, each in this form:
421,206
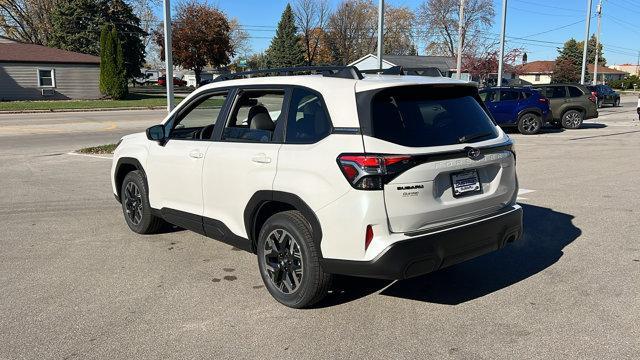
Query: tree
442,17
239,38
311,18
113,79
201,37
398,35
591,51
76,27
568,66
352,30
27,21
482,66
286,47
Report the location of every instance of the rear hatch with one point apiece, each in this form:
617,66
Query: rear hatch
458,165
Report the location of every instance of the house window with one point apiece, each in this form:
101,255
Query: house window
46,78
537,77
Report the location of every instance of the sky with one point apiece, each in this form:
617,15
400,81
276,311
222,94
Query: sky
545,24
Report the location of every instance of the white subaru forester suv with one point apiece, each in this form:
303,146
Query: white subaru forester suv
385,176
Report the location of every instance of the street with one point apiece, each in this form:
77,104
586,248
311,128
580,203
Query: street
78,284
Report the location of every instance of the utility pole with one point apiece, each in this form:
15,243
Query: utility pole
380,31
586,42
460,30
595,64
504,26
168,59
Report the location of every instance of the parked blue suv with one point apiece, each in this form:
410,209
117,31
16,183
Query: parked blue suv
521,107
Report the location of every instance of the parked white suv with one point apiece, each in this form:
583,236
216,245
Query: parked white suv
378,176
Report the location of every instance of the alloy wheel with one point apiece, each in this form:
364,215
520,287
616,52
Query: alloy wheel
133,203
283,261
573,119
529,124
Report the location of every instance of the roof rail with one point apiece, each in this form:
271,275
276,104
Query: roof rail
399,70
344,72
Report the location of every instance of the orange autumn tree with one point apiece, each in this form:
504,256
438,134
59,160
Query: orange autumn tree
201,37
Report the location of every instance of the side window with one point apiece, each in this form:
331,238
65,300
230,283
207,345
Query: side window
254,116
556,92
507,95
46,78
524,95
196,122
308,121
575,92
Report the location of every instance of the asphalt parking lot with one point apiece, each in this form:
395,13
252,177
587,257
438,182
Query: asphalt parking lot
77,284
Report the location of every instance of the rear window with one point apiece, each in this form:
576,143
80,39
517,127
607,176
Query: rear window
428,116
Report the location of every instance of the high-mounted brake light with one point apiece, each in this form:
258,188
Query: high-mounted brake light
369,172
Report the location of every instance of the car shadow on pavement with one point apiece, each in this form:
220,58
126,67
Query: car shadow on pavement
546,233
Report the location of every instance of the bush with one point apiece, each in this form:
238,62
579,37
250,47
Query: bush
113,77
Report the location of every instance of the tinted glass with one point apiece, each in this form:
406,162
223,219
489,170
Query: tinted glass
525,95
507,95
555,92
429,116
574,91
307,122
254,116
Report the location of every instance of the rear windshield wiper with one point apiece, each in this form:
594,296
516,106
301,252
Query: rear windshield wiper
471,137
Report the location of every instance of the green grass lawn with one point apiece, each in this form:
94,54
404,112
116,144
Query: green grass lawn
133,100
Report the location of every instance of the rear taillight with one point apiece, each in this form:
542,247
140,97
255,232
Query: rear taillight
594,96
543,100
371,172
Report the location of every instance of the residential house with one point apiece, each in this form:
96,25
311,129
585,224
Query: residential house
34,72
632,69
540,72
446,64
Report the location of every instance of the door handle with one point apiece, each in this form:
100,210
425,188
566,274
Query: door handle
196,154
261,158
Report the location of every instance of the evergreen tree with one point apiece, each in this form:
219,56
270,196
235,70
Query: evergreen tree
76,26
286,48
113,80
568,63
591,51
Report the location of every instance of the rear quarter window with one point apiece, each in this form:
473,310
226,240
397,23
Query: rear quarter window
575,92
430,116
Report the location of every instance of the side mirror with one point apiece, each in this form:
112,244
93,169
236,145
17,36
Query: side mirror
156,133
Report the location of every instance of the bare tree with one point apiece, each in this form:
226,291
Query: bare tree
26,20
239,38
311,19
351,30
441,18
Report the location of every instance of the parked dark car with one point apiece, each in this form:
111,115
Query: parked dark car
162,81
570,104
520,107
605,95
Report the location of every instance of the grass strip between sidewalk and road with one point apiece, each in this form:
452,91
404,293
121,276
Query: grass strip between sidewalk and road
98,150
132,101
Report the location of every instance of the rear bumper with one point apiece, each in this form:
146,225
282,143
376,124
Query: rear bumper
426,253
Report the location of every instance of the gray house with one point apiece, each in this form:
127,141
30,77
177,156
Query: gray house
34,72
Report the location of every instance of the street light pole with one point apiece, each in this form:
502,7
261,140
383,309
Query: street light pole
380,30
504,26
586,42
460,29
595,64
168,59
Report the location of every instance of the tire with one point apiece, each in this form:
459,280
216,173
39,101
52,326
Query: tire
572,119
134,197
529,124
294,278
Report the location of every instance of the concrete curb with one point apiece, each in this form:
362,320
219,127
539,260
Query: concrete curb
80,110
